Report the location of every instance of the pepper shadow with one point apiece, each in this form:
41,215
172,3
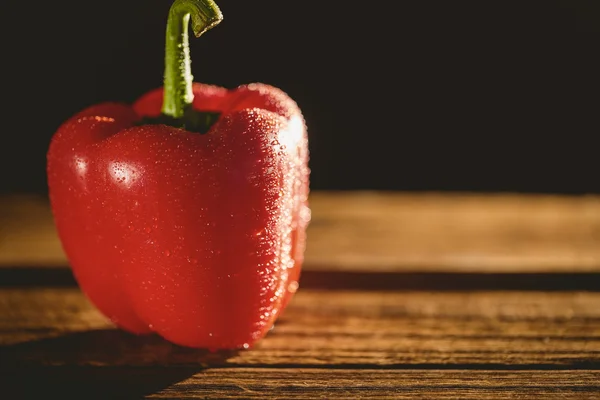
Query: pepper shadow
107,364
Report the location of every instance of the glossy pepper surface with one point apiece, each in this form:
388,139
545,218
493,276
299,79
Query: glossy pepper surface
198,237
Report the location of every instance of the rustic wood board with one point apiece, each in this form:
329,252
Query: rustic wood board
376,384
342,344
403,296
320,329
383,232
297,383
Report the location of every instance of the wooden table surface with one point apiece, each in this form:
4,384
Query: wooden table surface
403,295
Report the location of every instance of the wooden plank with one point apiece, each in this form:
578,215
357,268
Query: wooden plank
27,233
294,383
372,384
383,232
351,329
455,232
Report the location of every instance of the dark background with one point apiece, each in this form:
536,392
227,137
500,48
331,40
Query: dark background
399,95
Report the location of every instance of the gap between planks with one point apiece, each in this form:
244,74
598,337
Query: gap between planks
369,281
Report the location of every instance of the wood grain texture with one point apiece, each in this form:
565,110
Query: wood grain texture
245,383
295,383
27,233
354,329
369,231
404,296
455,232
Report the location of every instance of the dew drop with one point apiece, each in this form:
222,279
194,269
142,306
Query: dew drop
167,253
293,287
246,346
148,230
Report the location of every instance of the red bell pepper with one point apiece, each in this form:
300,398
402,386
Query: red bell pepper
185,213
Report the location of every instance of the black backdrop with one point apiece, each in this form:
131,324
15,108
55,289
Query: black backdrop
400,95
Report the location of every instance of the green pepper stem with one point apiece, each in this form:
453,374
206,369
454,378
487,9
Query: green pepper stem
205,14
